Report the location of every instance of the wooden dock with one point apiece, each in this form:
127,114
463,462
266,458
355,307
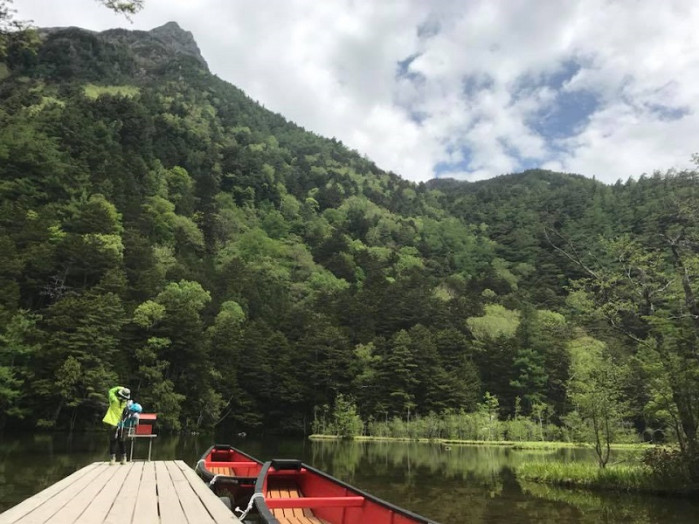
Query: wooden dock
167,492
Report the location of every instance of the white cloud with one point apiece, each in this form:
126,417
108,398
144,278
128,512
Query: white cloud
481,73
623,141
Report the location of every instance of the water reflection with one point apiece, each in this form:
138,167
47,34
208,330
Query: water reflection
464,484
597,507
482,462
476,484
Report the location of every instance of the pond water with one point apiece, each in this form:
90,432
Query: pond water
473,484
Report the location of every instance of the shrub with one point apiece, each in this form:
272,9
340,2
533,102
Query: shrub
668,465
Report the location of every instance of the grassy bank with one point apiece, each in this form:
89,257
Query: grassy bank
622,477
535,444
619,477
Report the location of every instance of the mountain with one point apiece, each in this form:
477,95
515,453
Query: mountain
157,46
159,229
138,52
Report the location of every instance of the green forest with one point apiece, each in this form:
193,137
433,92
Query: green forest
162,231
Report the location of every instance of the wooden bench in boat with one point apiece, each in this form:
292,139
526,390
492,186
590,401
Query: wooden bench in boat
223,471
290,515
233,469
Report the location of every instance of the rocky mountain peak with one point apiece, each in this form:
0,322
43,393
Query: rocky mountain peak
157,45
178,40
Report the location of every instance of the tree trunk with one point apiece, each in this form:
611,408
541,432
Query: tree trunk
57,412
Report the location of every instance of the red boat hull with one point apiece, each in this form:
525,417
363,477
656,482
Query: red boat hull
229,473
289,491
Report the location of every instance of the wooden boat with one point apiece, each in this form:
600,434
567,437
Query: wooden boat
229,472
288,491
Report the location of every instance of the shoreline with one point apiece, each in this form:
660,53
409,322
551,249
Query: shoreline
511,444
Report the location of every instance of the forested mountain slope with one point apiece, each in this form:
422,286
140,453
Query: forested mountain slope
161,230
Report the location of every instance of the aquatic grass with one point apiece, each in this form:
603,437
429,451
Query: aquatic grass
541,444
517,445
617,477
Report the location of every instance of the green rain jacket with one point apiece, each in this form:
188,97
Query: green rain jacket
116,408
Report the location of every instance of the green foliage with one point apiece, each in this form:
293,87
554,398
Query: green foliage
497,322
481,425
530,376
343,420
93,91
644,286
123,6
183,296
148,314
18,346
489,413
594,390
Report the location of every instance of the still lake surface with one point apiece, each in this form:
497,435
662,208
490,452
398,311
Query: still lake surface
470,484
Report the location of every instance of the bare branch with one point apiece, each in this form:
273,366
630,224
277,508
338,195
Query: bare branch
574,256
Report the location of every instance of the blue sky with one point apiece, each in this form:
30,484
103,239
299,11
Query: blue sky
469,89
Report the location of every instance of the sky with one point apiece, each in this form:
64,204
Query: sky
466,89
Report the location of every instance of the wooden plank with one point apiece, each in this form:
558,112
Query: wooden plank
51,506
194,510
122,509
300,515
290,515
293,513
169,505
161,492
276,493
220,470
312,518
296,512
16,512
303,519
146,508
80,500
100,505
213,504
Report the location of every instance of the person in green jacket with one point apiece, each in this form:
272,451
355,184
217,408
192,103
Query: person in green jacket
118,398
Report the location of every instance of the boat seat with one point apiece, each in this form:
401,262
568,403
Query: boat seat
242,470
291,515
216,470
